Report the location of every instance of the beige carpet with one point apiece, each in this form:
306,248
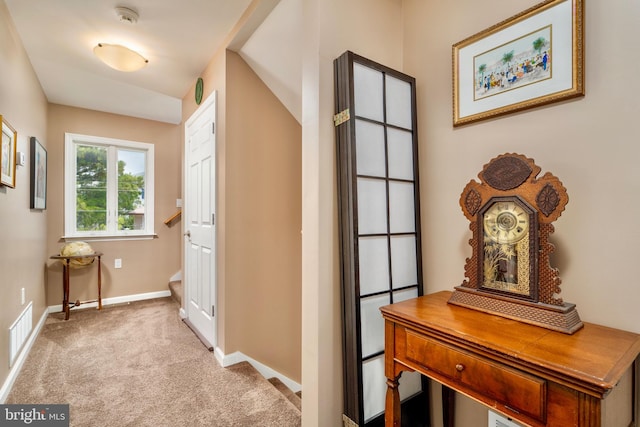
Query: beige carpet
139,365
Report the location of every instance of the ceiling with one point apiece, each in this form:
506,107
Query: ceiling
178,38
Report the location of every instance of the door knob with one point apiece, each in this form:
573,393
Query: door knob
188,233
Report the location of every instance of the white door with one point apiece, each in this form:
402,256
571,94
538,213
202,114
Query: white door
199,222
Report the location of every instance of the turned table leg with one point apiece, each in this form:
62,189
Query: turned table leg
65,289
448,406
392,415
99,284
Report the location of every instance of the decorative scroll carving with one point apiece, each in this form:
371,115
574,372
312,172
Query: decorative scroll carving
548,200
473,201
506,173
549,277
471,265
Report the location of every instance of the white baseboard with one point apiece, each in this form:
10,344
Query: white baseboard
176,277
22,356
265,371
115,300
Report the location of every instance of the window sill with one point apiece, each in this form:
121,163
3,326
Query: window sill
108,238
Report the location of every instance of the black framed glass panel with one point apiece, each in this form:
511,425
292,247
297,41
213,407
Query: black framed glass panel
376,138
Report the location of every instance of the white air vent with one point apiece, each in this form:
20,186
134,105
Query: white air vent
19,332
496,420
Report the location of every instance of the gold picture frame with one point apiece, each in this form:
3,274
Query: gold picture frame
531,59
8,154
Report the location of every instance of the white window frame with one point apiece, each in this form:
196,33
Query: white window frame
112,145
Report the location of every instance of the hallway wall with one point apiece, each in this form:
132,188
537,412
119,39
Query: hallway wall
23,247
264,218
258,217
148,264
374,30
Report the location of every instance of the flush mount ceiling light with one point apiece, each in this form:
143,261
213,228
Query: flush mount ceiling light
119,57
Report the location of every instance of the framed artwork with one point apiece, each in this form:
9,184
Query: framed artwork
8,154
531,59
38,175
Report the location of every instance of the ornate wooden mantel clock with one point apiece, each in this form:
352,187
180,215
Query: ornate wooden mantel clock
511,212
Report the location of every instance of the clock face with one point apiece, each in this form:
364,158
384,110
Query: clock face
507,258
506,222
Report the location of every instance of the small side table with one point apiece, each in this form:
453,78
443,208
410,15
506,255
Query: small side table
66,305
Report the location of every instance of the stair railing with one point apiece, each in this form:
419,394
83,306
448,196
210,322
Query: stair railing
173,218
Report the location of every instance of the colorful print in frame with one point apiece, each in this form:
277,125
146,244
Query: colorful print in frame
531,59
523,61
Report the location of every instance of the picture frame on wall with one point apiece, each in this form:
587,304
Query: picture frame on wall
8,154
38,175
531,59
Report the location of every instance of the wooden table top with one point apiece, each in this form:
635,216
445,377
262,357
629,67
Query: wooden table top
595,355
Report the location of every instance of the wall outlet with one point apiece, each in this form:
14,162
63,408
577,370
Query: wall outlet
178,203
118,263
23,296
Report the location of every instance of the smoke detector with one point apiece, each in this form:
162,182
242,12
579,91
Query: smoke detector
126,15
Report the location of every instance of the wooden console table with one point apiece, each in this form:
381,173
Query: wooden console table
533,375
65,282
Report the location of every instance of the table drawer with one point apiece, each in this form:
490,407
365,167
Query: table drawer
517,390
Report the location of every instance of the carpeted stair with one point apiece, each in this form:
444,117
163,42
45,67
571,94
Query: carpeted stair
176,291
295,398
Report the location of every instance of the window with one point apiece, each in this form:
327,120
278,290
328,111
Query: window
108,187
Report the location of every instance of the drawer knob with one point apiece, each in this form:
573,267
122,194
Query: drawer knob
460,367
